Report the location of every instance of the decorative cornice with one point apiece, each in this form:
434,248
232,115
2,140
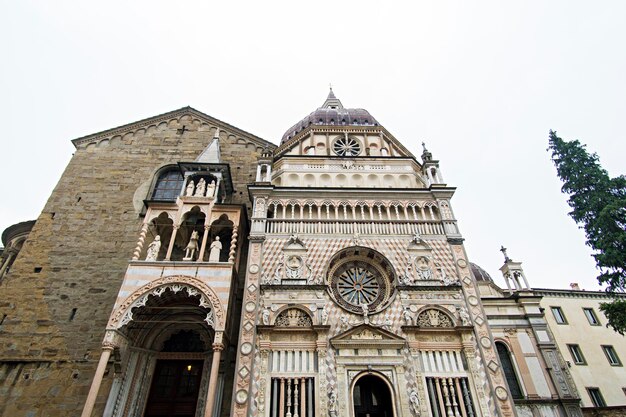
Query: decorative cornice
544,292
121,130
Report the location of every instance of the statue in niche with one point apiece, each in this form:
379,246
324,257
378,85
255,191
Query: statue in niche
325,315
423,269
265,316
191,186
216,247
153,249
415,402
210,191
200,188
408,319
192,247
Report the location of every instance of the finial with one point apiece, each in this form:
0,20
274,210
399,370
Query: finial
506,257
424,146
217,133
330,86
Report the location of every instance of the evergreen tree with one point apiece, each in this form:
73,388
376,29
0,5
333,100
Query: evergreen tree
598,205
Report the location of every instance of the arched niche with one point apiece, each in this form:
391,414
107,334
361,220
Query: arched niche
222,227
295,317
191,221
160,225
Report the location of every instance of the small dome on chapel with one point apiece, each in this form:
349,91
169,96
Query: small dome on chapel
332,112
479,273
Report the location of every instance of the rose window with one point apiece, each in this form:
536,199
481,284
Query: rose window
360,276
346,146
358,285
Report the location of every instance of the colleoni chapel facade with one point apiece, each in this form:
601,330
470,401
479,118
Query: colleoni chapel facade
184,267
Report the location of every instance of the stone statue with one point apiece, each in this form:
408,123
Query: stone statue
200,188
192,247
153,249
325,315
415,402
210,191
365,311
464,315
190,187
265,316
417,239
216,247
343,321
332,401
408,319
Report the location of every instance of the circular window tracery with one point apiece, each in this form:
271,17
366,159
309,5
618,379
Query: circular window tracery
358,284
360,276
346,146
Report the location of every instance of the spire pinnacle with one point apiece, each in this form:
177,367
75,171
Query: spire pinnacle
332,102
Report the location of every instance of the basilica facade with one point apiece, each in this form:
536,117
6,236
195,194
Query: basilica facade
185,267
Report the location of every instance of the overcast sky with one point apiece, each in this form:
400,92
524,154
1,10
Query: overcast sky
481,82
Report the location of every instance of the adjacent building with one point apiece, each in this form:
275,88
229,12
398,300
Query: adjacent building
594,352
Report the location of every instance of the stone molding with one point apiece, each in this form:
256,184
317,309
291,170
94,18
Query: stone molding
166,117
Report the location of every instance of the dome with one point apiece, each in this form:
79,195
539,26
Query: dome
479,273
331,112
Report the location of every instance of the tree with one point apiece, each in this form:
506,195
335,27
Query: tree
598,205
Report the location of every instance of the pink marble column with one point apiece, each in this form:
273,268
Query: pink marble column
97,380
215,365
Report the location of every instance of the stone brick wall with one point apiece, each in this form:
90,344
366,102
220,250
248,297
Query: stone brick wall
78,251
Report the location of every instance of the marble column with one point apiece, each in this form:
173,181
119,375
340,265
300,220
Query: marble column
215,365
172,240
97,380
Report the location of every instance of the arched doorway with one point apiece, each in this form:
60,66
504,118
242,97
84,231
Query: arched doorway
176,382
371,397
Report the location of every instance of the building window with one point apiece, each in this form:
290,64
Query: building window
577,354
509,370
591,316
168,186
611,355
596,397
558,315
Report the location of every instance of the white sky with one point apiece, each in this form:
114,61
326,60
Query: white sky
481,82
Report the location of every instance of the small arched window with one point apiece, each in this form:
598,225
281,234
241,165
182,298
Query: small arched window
509,370
168,186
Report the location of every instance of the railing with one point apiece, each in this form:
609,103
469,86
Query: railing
351,227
